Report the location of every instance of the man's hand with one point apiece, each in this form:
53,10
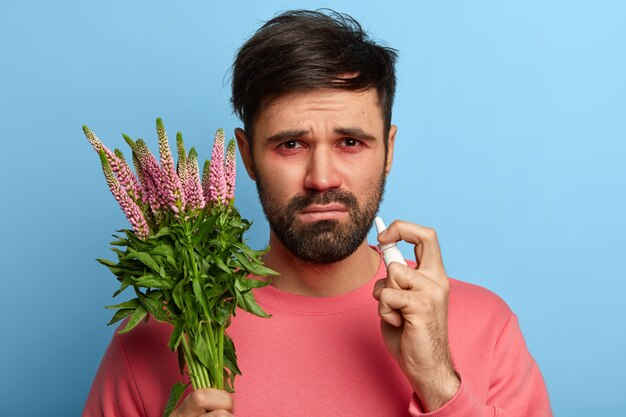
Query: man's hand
413,307
205,403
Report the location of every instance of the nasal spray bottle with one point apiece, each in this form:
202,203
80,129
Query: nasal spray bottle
390,251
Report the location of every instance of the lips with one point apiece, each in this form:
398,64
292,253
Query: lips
316,208
317,212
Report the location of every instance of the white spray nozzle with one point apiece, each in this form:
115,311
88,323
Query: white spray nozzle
390,251
380,225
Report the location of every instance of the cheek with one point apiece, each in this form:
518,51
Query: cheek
363,180
280,183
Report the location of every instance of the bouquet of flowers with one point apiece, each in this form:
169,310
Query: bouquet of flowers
185,257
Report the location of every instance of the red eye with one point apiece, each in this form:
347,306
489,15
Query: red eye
350,142
291,144
351,145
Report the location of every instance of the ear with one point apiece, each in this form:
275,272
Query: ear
244,151
391,141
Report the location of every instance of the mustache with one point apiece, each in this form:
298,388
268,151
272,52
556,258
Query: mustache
302,201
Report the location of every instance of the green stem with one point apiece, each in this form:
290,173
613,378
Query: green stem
220,355
205,376
212,339
192,366
203,370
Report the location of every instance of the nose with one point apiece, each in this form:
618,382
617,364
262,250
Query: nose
322,173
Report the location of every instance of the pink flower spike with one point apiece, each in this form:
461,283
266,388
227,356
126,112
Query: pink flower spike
151,176
127,178
217,181
138,169
193,187
230,170
118,165
206,171
132,211
93,139
173,187
181,166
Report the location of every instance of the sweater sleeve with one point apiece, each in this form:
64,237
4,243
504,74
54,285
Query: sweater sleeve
516,387
114,392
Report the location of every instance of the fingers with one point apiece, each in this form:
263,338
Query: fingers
395,305
427,251
393,297
205,402
402,277
386,312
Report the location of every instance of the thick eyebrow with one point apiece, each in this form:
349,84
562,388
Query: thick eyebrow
287,135
355,132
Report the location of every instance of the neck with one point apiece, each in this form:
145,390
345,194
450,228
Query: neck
320,280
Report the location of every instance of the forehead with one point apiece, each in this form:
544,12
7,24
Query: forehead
321,108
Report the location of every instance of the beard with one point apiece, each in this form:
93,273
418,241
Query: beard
323,241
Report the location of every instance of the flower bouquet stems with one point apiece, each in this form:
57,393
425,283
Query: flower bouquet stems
185,257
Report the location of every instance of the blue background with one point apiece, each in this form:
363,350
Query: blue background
511,145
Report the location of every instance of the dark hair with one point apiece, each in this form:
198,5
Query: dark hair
300,50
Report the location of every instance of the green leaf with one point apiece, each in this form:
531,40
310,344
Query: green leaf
254,283
120,314
123,270
164,231
222,313
229,382
254,267
198,292
125,284
216,293
139,314
250,253
230,357
204,226
230,363
181,361
144,258
126,304
130,235
118,252
165,251
190,310
154,307
155,294
221,265
175,337
152,281
248,303
202,350
120,241
175,394
106,262
177,295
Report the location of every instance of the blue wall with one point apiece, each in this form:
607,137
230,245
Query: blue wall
511,144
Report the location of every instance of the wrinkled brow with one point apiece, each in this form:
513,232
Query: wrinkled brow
355,132
286,135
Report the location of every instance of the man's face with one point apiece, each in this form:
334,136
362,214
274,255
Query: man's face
320,165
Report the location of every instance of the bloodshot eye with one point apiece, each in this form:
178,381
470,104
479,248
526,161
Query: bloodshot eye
291,144
350,143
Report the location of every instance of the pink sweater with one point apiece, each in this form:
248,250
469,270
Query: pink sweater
326,357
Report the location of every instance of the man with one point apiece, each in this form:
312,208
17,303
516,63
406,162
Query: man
347,336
